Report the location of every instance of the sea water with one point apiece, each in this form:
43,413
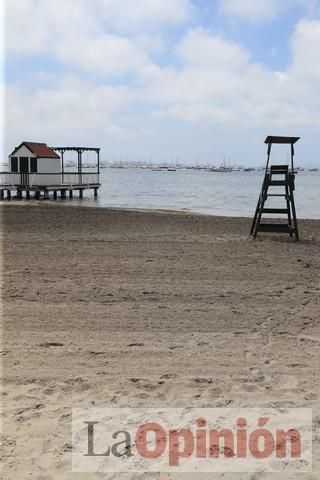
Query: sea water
213,193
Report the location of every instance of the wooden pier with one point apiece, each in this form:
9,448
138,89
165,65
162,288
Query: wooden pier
47,192
32,188
37,171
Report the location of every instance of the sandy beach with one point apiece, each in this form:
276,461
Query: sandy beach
155,309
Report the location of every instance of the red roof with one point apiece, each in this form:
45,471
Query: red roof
39,149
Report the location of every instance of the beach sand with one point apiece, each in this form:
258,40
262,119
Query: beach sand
149,309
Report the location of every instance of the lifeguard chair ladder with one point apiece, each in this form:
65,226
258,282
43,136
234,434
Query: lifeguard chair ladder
272,179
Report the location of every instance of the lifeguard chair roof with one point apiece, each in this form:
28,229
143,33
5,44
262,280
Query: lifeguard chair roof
283,140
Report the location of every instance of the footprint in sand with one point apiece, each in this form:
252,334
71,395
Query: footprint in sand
143,384
8,446
143,396
28,413
3,353
78,384
216,392
311,396
203,380
169,376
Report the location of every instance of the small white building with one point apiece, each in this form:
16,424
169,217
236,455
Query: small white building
35,164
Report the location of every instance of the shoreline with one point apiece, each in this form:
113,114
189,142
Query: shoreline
173,211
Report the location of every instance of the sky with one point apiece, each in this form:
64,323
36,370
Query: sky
162,80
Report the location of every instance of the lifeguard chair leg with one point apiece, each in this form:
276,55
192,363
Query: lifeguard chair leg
294,216
289,209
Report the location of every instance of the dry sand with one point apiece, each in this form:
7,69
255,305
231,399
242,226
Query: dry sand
124,308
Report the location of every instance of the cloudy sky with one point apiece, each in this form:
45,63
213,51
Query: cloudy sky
163,79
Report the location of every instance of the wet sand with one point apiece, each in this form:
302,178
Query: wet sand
124,308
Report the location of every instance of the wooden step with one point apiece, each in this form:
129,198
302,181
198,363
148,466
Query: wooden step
279,211
285,168
278,183
274,227
277,195
278,172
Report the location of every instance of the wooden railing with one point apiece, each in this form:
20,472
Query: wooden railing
50,179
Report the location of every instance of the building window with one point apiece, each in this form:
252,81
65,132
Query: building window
33,165
14,164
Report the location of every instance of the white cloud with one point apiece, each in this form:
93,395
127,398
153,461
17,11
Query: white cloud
72,33
132,14
52,22
214,71
305,45
199,47
218,82
111,54
149,43
78,33
34,27
210,79
67,110
2,30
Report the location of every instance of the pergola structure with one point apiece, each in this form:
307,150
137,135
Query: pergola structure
80,151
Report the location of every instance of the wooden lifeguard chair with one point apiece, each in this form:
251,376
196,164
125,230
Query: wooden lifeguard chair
277,176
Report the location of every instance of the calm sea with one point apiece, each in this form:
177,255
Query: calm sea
213,193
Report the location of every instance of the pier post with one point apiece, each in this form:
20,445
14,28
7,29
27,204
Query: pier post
63,194
19,194
8,194
80,193
37,194
95,192
55,194
28,194
1,194
70,193
46,195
